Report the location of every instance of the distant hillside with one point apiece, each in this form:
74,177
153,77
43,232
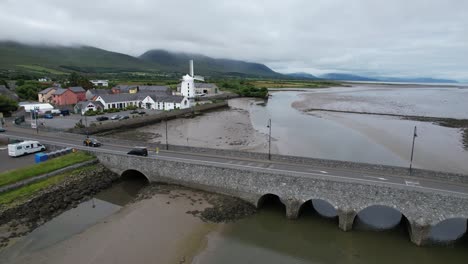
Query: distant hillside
301,75
60,59
351,77
346,77
178,62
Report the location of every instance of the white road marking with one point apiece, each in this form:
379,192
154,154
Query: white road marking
323,172
373,177
415,184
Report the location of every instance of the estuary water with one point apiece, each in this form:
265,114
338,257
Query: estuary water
366,138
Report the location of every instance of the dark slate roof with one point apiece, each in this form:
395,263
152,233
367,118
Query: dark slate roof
166,98
77,89
47,90
205,85
124,88
100,91
60,91
153,88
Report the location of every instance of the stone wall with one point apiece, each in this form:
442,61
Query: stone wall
422,209
322,163
147,120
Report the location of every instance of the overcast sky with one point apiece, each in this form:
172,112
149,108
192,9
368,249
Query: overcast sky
373,37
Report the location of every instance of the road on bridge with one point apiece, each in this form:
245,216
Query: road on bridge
298,170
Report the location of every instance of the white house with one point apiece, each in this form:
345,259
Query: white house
104,83
165,102
44,79
83,107
158,101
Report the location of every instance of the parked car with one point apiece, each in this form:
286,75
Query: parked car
65,112
55,112
123,117
115,117
134,112
48,116
138,151
102,118
141,112
91,142
2,129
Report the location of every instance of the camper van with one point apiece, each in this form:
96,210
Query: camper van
25,147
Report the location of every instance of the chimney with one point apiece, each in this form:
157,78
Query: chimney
191,68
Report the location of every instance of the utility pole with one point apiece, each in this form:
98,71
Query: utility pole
167,144
415,135
269,139
36,112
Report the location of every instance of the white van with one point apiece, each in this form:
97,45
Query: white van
25,147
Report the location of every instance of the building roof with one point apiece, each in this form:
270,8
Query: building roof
153,88
124,97
83,104
47,90
60,91
99,91
166,97
124,88
77,89
206,85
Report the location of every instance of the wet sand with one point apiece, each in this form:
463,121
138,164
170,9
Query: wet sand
227,129
157,230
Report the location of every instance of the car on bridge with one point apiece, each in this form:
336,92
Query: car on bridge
2,129
138,151
91,142
102,118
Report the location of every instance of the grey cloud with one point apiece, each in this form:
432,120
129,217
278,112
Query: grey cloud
401,37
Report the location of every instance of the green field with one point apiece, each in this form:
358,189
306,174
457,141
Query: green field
13,176
41,69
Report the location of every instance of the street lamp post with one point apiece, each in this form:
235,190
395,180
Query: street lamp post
36,115
415,135
167,144
269,139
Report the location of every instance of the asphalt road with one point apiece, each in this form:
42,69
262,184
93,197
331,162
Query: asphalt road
297,170
10,163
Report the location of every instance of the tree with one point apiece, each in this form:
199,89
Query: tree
7,105
29,90
78,80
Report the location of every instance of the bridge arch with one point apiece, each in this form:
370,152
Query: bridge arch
270,200
449,230
322,207
380,217
134,175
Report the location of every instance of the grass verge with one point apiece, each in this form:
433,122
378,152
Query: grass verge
26,192
13,176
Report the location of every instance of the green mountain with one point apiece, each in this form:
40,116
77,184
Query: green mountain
302,75
46,59
60,59
207,66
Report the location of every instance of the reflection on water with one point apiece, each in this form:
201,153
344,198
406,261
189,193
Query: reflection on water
378,217
268,237
77,219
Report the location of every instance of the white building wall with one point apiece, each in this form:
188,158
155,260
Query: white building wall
187,88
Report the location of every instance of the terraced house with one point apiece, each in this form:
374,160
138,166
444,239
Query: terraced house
154,101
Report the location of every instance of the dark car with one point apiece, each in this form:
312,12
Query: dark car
102,118
140,151
48,116
2,129
91,142
141,112
123,117
134,112
65,112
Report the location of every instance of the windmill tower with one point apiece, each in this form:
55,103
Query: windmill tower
187,87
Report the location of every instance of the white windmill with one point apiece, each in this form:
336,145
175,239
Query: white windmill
187,87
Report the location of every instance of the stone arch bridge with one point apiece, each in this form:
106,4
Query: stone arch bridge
422,208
